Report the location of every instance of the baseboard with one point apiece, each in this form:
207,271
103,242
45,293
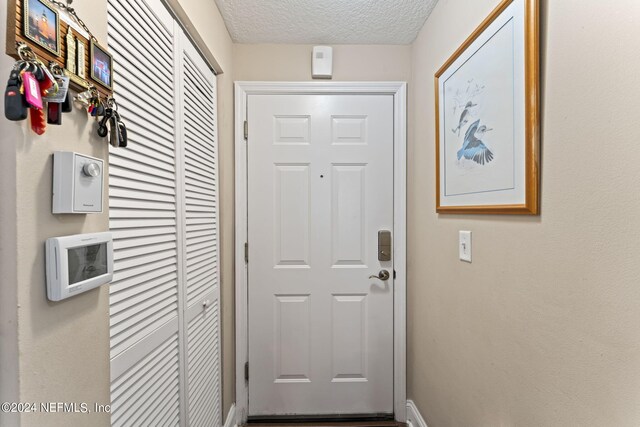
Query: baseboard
231,417
414,418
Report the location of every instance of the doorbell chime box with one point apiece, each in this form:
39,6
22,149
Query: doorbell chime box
322,62
78,183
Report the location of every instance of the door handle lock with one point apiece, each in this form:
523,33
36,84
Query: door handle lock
382,275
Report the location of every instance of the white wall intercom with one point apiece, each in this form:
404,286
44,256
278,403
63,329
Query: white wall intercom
78,182
78,263
322,62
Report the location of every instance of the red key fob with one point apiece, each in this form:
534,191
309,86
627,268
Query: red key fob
54,113
38,124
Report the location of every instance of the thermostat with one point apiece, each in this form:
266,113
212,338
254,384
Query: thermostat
78,263
78,182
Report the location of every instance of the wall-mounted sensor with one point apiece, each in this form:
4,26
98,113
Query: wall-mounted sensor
77,183
322,62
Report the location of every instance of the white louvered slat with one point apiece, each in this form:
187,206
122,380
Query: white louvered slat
143,241
126,203
138,223
143,168
156,153
153,161
120,235
121,188
128,178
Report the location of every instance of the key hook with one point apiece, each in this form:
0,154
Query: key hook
111,103
56,69
25,52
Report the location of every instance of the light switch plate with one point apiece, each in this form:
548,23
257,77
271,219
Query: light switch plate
464,246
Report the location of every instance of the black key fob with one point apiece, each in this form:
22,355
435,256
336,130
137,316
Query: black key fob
54,113
39,74
123,134
15,106
67,105
114,137
102,126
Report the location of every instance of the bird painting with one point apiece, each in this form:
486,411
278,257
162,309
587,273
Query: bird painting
473,148
464,117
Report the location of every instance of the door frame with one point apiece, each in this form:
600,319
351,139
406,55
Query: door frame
399,92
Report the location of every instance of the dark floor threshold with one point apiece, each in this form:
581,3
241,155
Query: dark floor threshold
332,424
362,420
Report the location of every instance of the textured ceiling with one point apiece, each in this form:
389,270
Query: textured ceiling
325,21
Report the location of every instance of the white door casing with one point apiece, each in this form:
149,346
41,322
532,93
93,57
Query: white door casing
324,338
320,189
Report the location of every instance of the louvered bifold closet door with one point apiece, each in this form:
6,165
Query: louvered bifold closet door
163,201
144,219
199,136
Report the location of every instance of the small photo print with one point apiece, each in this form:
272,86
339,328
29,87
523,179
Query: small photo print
101,65
42,25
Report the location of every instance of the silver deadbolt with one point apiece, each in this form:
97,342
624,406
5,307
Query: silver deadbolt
384,245
382,275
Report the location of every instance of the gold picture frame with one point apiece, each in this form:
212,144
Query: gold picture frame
36,25
100,65
498,174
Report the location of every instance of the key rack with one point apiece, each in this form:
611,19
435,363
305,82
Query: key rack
16,33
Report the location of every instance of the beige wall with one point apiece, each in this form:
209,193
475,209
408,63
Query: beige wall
9,378
293,62
226,154
542,328
63,347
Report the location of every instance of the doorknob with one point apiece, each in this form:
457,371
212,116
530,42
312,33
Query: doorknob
382,275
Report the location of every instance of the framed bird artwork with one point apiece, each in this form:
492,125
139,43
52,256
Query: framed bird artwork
487,117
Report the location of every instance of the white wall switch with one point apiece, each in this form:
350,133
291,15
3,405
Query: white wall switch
464,246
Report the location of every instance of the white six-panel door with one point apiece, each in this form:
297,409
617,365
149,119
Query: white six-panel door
320,187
